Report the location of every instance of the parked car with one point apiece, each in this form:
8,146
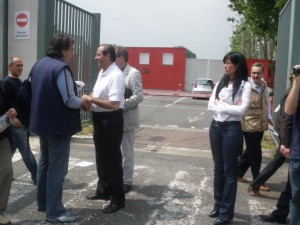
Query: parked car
202,88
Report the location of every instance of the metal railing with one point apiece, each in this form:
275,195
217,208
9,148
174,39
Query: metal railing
60,16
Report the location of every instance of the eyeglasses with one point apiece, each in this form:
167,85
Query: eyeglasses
258,73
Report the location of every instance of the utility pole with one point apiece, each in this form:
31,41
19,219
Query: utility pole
242,41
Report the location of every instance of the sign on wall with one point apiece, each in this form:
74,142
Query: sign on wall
22,25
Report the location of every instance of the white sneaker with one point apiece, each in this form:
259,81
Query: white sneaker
4,219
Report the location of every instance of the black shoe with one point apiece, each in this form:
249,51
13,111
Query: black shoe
111,208
127,188
41,209
271,218
221,222
214,213
98,196
66,218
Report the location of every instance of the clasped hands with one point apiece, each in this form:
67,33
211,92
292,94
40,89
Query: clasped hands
86,102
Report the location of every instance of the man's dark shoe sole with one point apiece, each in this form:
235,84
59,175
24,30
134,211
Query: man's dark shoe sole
97,196
112,208
214,213
127,188
272,219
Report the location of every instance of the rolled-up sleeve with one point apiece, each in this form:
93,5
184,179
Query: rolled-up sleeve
68,94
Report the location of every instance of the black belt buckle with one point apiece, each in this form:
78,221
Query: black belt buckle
225,123
220,124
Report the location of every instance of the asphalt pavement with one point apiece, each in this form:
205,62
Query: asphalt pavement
173,183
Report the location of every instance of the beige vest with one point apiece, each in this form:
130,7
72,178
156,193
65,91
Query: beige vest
255,119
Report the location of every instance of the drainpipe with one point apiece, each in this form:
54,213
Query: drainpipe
5,37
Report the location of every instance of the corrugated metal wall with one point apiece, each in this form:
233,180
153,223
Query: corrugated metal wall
205,68
288,46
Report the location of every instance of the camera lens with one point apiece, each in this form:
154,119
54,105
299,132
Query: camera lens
294,70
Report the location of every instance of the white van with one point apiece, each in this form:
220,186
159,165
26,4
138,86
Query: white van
202,88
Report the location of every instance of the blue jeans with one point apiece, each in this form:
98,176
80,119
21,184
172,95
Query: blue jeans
52,169
225,144
21,141
294,172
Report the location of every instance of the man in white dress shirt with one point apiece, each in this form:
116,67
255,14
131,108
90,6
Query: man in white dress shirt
107,101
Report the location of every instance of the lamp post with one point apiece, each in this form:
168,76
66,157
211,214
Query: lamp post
242,41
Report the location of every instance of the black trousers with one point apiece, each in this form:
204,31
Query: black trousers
108,132
252,155
269,169
283,203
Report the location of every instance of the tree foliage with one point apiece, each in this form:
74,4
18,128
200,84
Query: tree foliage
255,29
188,53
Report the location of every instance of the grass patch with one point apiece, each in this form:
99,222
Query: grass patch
87,128
268,142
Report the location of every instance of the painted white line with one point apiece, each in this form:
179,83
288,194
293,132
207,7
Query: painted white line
20,187
17,156
256,208
84,164
175,107
196,118
174,207
174,102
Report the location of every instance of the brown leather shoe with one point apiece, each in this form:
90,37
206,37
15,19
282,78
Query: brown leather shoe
255,192
241,180
264,188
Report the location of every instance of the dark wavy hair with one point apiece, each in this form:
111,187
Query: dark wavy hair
241,73
109,49
58,43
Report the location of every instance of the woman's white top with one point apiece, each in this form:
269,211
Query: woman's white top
226,109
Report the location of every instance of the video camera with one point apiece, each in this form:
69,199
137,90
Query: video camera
296,71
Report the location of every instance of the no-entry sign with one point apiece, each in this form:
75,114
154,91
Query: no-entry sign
21,19
22,25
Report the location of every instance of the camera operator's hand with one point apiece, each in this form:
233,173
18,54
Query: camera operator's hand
296,81
291,103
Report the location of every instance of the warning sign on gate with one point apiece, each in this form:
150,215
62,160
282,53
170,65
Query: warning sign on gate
22,25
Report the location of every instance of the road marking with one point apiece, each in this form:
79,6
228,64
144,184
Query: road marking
196,118
175,107
176,208
84,164
166,106
17,156
256,208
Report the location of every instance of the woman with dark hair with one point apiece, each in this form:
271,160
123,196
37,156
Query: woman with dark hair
228,103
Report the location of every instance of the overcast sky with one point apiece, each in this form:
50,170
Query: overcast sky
199,25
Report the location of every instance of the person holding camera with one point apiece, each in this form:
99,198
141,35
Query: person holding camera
292,108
